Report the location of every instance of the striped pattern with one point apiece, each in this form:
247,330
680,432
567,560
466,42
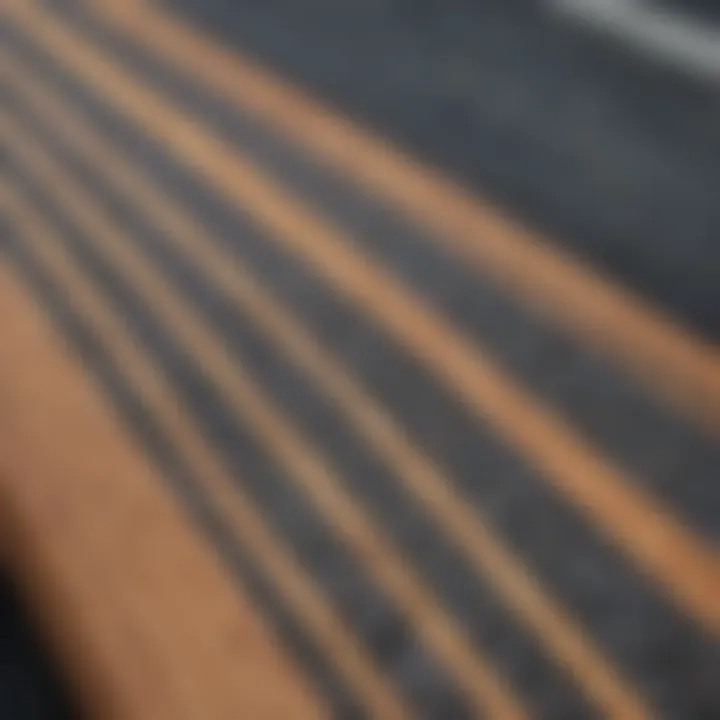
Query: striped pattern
345,352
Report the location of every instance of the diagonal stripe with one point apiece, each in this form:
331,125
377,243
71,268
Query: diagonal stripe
216,479
487,554
301,462
660,545
657,31
675,364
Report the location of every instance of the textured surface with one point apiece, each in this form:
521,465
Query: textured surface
617,161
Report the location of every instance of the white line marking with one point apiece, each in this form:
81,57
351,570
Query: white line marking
669,36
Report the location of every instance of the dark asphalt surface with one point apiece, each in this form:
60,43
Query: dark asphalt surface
616,159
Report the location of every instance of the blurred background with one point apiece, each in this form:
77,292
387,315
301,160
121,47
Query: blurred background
594,122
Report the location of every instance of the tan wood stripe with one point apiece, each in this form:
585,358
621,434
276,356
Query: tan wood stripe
673,362
148,622
303,464
222,485
660,545
467,527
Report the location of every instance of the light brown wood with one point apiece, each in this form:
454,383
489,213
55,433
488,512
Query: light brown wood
148,622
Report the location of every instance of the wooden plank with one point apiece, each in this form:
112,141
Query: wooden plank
144,617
